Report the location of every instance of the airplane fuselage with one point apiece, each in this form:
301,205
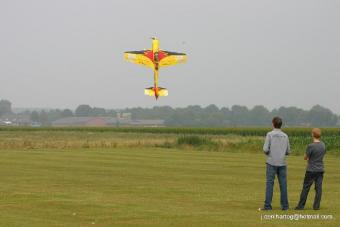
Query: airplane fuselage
155,51
155,58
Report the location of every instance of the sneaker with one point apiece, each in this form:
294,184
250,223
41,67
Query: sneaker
265,209
298,208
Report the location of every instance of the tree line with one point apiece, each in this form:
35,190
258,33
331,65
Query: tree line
212,116
193,116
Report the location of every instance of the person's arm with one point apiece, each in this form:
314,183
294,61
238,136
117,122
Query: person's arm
306,157
288,151
266,145
308,153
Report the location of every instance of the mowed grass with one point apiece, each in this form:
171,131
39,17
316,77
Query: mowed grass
131,186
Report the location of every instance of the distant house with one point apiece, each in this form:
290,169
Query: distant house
149,123
85,121
15,119
124,116
104,121
5,123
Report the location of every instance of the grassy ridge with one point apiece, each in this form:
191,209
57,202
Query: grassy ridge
220,139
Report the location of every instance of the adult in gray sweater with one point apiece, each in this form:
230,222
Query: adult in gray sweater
276,147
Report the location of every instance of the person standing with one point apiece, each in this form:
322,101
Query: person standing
276,147
315,153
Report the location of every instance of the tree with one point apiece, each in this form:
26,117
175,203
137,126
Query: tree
83,110
239,115
53,115
292,115
5,107
111,113
66,113
96,111
321,116
43,117
210,116
227,114
259,115
211,109
35,116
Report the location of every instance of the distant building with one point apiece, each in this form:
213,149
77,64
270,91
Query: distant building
5,123
148,123
85,121
23,120
125,116
15,119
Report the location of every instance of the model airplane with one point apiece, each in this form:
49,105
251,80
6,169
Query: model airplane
155,59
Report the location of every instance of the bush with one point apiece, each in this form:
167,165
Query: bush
196,141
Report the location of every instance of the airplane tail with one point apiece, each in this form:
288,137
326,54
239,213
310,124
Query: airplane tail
151,91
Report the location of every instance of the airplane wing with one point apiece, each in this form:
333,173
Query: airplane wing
139,57
168,58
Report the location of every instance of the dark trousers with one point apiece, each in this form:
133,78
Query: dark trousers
311,177
281,172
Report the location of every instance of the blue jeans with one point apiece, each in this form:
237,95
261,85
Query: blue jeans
281,172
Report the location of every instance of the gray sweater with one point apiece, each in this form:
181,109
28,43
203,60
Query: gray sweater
276,147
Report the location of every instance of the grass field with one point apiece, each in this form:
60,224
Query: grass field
137,179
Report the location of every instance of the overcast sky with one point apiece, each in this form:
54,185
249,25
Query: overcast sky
69,52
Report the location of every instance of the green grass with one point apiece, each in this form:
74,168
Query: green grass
148,187
103,177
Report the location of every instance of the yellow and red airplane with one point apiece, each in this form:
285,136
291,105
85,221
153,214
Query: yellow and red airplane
155,58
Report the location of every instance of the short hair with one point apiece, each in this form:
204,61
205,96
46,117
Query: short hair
316,133
277,122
